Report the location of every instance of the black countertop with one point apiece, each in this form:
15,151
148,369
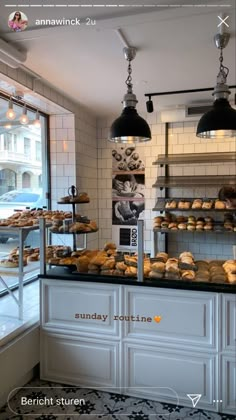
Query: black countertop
61,273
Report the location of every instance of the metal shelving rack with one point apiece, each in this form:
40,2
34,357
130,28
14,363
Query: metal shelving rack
165,182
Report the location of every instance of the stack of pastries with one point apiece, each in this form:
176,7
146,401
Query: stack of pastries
81,197
112,263
12,260
31,217
196,204
200,224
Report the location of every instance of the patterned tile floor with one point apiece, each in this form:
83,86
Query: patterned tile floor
57,403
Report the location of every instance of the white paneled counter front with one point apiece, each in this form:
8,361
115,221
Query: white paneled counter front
149,342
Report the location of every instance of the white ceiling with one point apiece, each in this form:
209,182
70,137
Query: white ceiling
175,49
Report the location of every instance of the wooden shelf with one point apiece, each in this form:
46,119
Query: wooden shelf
189,158
193,181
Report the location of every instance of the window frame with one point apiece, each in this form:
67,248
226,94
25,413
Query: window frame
46,185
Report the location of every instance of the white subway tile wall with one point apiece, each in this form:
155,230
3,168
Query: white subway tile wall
182,139
74,162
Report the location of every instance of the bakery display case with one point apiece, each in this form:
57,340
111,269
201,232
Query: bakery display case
66,223
182,271
19,264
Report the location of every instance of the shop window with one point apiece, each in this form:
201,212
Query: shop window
38,151
24,171
8,141
27,146
26,180
7,180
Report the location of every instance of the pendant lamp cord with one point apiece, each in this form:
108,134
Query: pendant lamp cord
223,71
129,79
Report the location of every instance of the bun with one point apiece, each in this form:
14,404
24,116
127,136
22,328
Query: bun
109,245
82,264
188,275
93,268
172,225
80,198
121,266
146,269
156,275
191,227
109,264
33,257
186,254
220,204
171,204
162,256
9,263
231,278
158,219
99,259
183,204
158,266
131,271
182,226
207,204
197,203
131,261
208,226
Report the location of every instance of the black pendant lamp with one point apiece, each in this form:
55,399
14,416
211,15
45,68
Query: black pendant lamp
129,127
220,121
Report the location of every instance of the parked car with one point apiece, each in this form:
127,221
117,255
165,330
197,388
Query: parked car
18,200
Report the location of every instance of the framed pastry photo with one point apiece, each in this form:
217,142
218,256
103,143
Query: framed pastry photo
127,211
128,186
127,159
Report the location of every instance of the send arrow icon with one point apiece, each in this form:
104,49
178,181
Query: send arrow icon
194,398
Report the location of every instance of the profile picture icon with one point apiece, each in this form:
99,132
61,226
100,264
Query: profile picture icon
17,21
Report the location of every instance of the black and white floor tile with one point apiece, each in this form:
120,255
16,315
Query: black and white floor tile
94,405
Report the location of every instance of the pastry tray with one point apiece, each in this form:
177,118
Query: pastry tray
166,230
74,202
67,267
72,233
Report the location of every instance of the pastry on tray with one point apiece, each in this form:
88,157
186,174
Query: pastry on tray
162,256
9,263
197,204
206,205
220,205
156,275
188,275
80,198
172,204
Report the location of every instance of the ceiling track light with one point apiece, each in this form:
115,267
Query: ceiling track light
24,117
178,92
129,127
149,104
10,114
220,121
